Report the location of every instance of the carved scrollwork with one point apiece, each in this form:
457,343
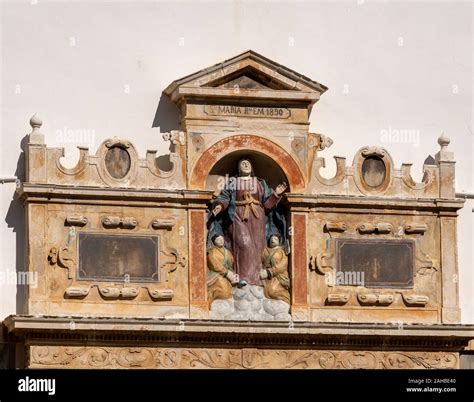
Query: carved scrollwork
160,294
160,223
81,164
375,299
111,222
415,299
416,228
366,228
337,298
322,263
177,260
113,142
428,176
378,228
176,138
340,172
109,292
244,358
373,151
114,292
425,264
129,223
74,220
319,141
62,257
77,291
335,227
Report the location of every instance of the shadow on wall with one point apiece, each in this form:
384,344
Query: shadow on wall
15,219
167,118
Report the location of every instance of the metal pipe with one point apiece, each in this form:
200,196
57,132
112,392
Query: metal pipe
469,196
11,179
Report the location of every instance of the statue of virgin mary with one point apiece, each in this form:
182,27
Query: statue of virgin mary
245,212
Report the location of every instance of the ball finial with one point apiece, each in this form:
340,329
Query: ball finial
35,122
443,140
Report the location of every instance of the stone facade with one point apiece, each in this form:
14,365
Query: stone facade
251,106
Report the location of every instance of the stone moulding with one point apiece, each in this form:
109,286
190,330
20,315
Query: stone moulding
79,342
172,259
429,174
91,170
348,179
338,177
58,153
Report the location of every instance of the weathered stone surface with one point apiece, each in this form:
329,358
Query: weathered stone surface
117,192
204,358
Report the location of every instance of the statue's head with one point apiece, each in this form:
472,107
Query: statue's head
245,167
218,240
274,240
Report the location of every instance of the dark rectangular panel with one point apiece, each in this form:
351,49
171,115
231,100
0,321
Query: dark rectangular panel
384,263
124,258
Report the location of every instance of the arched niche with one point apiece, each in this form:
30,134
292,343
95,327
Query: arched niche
264,167
267,154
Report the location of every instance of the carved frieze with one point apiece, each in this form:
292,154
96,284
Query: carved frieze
225,358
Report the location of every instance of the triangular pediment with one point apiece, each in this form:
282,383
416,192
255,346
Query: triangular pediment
248,71
248,78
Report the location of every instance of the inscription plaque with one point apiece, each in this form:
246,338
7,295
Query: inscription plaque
383,263
115,258
248,111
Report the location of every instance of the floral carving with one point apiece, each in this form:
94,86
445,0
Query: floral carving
179,358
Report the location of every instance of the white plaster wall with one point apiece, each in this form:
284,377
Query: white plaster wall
99,68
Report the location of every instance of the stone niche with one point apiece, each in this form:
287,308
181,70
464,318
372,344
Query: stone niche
116,236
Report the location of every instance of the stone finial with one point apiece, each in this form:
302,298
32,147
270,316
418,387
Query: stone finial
443,141
35,122
36,137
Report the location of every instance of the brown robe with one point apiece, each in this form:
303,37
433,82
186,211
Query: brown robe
275,261
219,261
